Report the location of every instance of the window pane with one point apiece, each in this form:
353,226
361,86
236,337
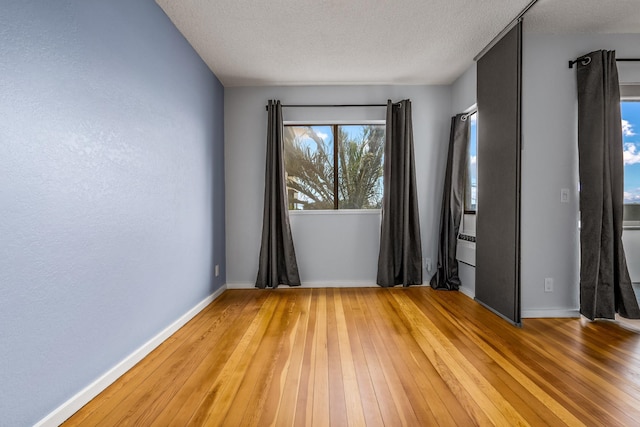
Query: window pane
631,145
471,195
308,159
360,166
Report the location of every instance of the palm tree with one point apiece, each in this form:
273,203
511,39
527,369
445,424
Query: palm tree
361,167
309,161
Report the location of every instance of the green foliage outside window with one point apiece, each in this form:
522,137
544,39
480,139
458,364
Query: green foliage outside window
310,162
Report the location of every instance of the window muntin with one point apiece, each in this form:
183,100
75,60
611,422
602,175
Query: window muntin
471,190
630,111
311,153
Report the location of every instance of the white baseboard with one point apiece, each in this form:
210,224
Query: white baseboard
340,284
468,292
324,284
71,406
550,312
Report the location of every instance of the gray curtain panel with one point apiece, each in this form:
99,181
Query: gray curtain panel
446,276
400,256
605,286
277,263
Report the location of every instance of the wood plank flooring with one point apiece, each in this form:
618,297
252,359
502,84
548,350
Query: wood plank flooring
374,357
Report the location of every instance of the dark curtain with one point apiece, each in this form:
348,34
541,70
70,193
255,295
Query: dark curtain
605,286
400,257
446,276
277,262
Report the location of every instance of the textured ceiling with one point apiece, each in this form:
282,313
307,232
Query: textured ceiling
309,42
288,42
584,16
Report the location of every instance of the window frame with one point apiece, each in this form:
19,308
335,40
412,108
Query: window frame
467,186
630,93
334,124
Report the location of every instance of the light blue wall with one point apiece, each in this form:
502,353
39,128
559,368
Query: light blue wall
111,191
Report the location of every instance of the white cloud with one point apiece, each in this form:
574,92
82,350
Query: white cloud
322,135
627,128
474,160
630,154
632,196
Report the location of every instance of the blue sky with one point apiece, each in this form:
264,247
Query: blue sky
473,146
631,144
326,133
473,160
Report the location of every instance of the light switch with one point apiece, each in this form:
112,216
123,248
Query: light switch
564,195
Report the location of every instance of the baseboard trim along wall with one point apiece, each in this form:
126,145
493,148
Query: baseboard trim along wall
468,292
328,284
533,314
71,406
552,312
335,284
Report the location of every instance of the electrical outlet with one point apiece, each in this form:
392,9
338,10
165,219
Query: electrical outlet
217,270
548,284
427,263
564,195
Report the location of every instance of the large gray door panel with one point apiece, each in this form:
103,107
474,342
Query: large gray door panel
499,143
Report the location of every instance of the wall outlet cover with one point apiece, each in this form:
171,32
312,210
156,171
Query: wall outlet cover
548,284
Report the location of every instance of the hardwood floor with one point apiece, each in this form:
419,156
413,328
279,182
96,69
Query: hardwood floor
369,356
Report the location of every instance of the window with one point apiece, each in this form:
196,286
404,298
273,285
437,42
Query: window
334,166
630,109
471,191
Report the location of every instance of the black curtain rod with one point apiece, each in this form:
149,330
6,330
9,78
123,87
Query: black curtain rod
331,105
586,58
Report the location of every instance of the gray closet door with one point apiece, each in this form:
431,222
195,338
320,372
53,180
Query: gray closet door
498,217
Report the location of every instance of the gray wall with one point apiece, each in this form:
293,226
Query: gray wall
112,191
550,239
463,90
550,245
335,248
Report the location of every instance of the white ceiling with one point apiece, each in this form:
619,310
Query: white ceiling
318,42
584,16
